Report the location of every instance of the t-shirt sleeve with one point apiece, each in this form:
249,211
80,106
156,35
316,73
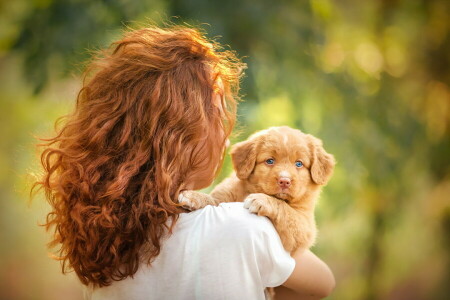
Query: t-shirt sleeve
274,262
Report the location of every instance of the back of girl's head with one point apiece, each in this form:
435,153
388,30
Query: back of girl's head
120,159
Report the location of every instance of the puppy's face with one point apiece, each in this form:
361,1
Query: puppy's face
282,162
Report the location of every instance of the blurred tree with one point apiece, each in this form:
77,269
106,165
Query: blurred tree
65,29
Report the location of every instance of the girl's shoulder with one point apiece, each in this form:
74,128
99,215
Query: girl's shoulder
229,219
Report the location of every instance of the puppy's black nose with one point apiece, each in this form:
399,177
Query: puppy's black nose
284,182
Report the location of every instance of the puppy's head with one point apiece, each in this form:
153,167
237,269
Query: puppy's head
282,162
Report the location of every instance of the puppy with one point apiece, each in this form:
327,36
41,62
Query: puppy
278,174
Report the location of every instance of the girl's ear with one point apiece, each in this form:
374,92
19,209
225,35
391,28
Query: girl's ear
322,165
243,156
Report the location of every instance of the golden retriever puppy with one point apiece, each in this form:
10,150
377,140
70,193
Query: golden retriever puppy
278,174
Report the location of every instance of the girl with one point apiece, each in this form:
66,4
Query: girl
152,119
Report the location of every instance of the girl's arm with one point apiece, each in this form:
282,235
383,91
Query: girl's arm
311,279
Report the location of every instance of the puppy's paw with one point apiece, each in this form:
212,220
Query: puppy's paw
260,204
193,200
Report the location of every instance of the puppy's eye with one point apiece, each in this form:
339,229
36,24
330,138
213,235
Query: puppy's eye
298,164
270,161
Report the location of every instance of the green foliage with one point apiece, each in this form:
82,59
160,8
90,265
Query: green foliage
370,78
63,30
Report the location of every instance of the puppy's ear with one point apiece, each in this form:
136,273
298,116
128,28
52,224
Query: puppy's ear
243,156
322,165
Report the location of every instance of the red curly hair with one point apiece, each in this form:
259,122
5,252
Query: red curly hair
141,124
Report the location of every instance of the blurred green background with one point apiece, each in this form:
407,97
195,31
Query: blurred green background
370,78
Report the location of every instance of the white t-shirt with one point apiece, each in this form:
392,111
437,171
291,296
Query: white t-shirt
222,252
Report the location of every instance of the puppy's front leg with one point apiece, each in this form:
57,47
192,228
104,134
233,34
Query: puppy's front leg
193,200
230,190
296,228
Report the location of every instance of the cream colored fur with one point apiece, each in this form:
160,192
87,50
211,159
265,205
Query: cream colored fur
256,182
